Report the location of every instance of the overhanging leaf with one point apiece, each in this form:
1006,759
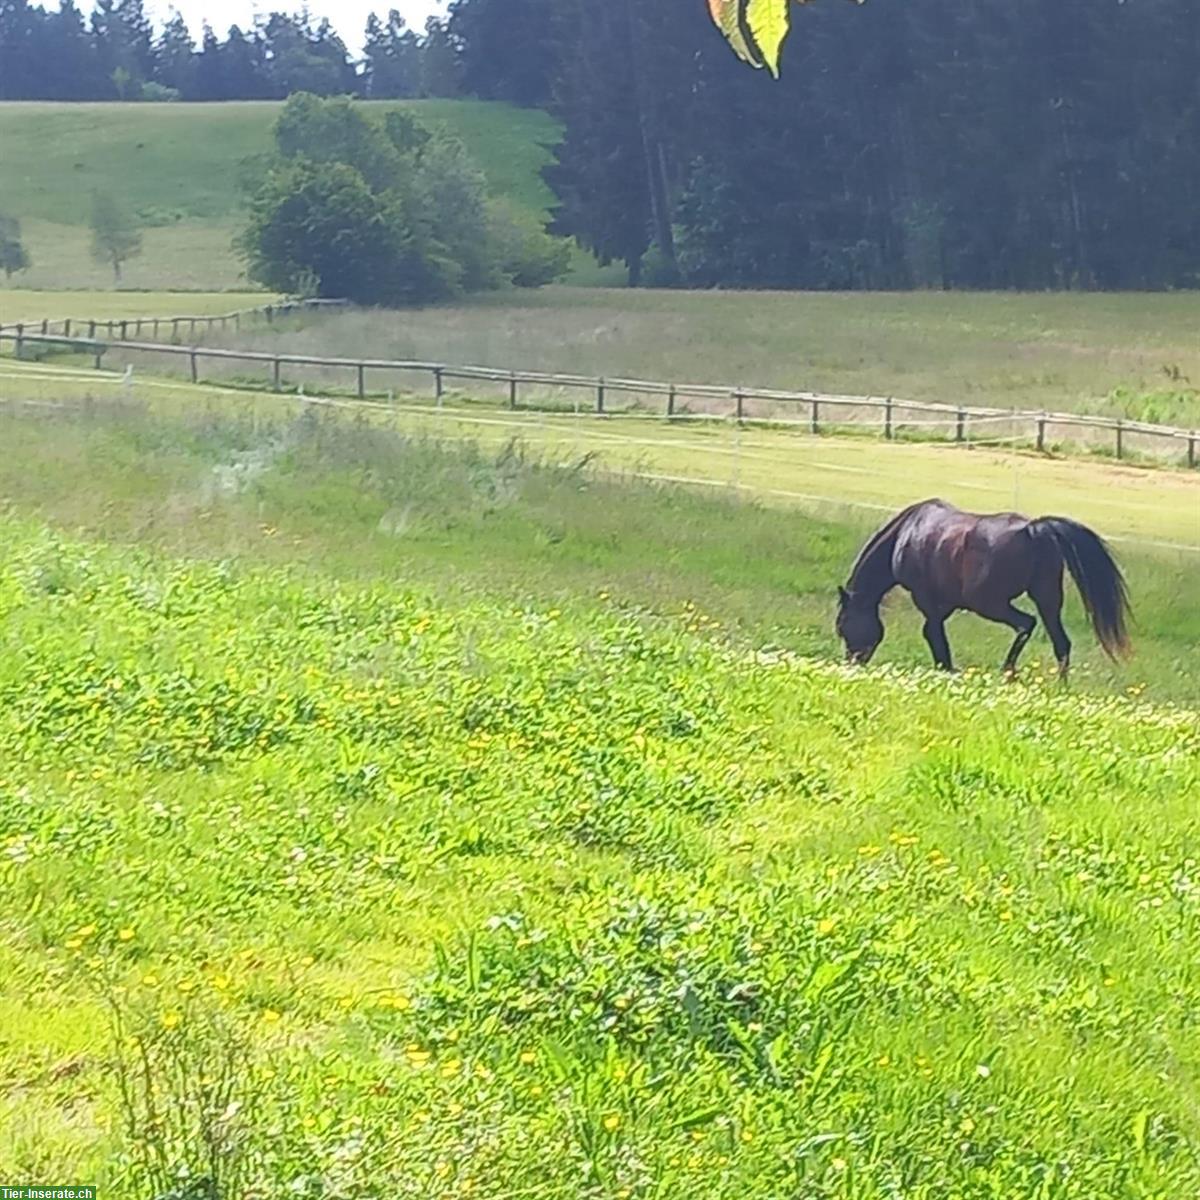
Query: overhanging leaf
768,23
727,14
755,28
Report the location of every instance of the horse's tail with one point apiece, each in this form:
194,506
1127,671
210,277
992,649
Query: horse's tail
1096,574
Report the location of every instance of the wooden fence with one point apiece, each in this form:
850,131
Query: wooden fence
892,417
121,328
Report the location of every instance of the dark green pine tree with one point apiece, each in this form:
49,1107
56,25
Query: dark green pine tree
391,59
507,49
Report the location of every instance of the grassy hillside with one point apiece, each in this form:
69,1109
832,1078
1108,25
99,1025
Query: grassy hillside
364,811
177,167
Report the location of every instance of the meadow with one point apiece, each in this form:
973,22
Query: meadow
178,168
388,814
1127,355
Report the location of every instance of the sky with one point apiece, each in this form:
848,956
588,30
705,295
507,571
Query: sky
348,17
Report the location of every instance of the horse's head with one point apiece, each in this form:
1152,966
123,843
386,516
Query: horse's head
859,626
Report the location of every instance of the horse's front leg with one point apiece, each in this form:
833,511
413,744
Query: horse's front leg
939,645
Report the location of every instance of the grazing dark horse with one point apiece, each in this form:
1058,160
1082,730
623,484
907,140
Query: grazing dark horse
949,560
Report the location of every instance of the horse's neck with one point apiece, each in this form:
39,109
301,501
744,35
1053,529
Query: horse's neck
873,576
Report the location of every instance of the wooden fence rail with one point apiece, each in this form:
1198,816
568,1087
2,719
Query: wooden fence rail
120,328
965,421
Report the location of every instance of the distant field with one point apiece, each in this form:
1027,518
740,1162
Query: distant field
1135,355
177,166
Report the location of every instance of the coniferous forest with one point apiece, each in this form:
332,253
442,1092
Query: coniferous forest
908,143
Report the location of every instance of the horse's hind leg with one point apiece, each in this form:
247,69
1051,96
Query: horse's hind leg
1047,594
1024,624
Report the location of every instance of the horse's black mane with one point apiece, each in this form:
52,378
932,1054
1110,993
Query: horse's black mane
882,535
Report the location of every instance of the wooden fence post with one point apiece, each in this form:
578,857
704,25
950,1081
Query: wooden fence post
600,395
175,329
887,419
275,368
512,390
92,330
362,381
45,326
20,350
815,424
1192,449
67,327
671,400
98,354
195,371
1120,438
741,405
1041,433
960,428
437,385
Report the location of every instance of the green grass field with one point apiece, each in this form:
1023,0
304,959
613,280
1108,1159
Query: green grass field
177,166
1132,355
386,814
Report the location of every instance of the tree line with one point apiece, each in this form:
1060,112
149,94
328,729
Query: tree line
908,143
117,54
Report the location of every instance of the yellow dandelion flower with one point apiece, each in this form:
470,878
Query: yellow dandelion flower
270,1016
220,982
125,935
612,1122
307,960
346,1002
186,985
528,1057
536,1090
451,1067
884,1060
826,925
442,1169
1006,915
868,851
170,1020
73,943
747,1135
150,980
838,1164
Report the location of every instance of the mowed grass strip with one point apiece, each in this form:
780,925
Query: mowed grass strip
412,894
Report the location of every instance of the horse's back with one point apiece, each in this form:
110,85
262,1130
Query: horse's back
951,558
